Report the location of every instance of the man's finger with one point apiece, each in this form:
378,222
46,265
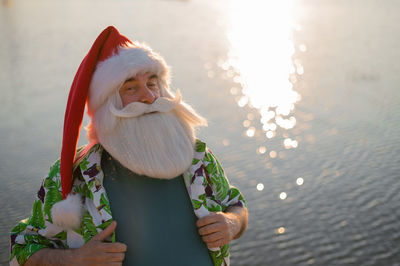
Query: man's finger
114,247
216,244
106,232
115,257
209,219
209,229
212,237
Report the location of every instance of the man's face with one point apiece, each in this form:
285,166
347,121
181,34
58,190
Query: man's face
142,88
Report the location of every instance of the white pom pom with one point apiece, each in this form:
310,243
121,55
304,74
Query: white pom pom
68,213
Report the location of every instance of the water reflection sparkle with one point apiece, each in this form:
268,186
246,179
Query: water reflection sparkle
281,230
261,56
299,181
260,186
283,195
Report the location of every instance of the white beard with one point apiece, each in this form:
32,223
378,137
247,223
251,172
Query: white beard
154,140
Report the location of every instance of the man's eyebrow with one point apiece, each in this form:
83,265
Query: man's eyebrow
133,79
130,79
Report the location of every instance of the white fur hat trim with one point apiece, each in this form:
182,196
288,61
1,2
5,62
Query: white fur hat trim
111,73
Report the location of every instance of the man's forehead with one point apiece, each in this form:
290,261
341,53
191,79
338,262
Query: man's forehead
141,76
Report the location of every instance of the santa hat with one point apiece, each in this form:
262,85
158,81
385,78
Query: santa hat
111,60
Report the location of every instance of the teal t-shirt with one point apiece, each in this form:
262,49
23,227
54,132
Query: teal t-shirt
155,218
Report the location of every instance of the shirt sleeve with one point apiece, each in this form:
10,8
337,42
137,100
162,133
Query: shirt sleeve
225,194
37,231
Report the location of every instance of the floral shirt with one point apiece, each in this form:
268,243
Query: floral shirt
205,180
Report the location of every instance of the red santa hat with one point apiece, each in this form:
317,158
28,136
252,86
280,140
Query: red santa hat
111,60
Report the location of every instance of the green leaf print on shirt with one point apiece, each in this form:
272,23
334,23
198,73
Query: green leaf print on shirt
62,235
55,169
89,228
214,208
37,219
37,239
218,178
104,226
196,204
83,190
225,250
105,204
20,227
53,195
217,258
200,146
84,164
24,252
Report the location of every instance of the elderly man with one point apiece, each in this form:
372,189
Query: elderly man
143,167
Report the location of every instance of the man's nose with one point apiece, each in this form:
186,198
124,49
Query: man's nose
147,96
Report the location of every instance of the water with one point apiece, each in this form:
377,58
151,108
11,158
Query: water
320,172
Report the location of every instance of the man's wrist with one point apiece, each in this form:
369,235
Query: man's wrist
51,256
239,226
70,256
240,216
234,224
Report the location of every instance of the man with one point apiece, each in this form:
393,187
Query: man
142,167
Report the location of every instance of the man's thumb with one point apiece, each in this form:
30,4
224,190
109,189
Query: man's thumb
106,232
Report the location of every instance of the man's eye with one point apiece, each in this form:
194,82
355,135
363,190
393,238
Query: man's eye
152,85
130,89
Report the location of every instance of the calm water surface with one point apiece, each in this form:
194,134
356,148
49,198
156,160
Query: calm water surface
302,97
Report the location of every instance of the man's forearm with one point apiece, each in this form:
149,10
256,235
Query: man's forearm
94,252
50,256
241,216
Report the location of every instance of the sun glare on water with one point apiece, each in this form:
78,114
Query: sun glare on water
261,57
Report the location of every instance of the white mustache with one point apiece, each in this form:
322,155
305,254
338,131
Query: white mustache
161,104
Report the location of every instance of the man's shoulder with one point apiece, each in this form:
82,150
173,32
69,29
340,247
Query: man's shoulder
84,152
200,146
203,151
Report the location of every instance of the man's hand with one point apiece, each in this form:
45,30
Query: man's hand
94,252
218,229
97,252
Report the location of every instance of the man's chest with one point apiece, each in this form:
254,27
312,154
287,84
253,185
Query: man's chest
154,216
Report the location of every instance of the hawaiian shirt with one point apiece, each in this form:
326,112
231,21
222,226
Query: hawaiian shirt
205,180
